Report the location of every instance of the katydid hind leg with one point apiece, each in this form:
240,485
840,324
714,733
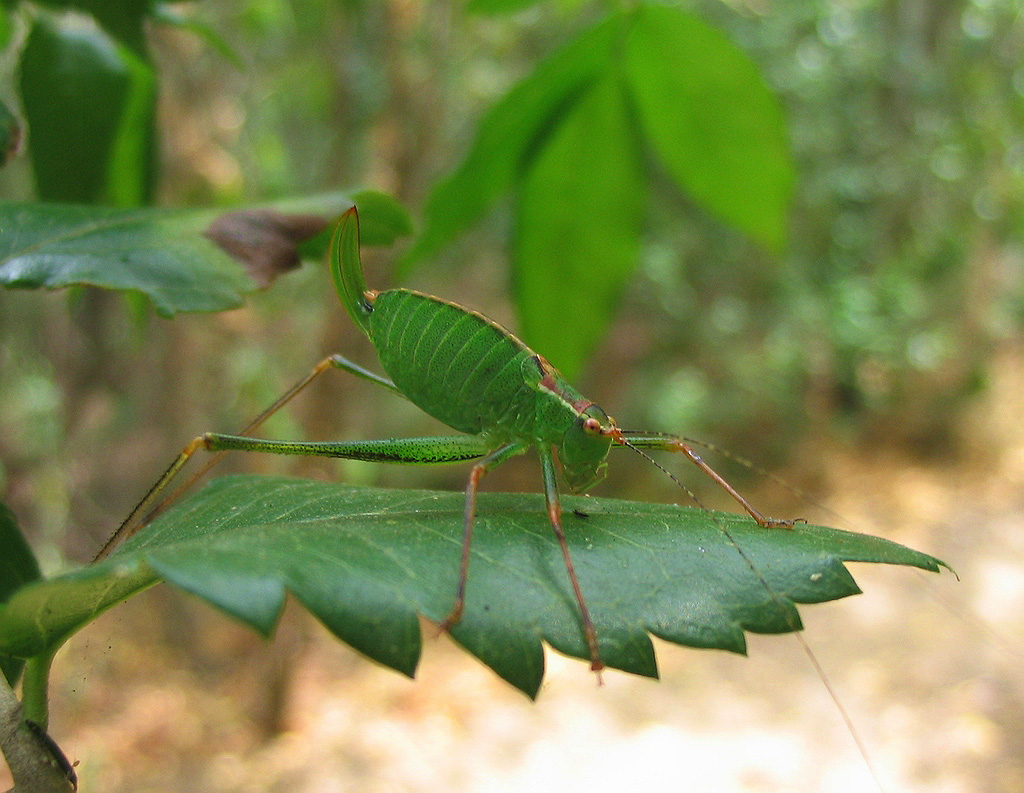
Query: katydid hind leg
248,429
130,525
343,363
336,361
427,450
148,508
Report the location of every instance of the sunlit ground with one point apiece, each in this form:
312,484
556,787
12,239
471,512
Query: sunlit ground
163,694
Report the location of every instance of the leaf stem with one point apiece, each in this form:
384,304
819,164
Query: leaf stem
32,762
35,689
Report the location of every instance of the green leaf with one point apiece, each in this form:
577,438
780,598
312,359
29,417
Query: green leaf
711,120
18,567
164,254
367,561
577,239
505,135
90,107
122,19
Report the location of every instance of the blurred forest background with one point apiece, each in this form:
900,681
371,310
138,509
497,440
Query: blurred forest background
876,363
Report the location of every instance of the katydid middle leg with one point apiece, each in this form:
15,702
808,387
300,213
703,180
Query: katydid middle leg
555,517
480,469
491,460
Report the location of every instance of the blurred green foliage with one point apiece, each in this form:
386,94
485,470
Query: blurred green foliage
90,104
569,142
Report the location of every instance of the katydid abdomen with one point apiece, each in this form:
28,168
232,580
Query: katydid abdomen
456,365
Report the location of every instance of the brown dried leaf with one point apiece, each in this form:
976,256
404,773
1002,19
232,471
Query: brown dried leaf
265,241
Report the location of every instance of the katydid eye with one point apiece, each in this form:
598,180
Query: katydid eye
592,426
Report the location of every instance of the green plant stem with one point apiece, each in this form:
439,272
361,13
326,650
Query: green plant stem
34,763
35,689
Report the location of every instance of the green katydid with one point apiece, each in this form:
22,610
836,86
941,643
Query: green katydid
478,378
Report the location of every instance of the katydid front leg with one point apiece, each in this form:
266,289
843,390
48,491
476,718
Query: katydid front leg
658,441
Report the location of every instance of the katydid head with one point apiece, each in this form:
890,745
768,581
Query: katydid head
584,448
